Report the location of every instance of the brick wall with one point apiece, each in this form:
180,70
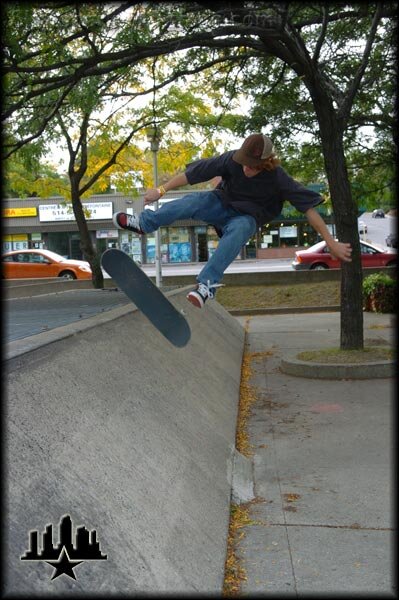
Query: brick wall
277,252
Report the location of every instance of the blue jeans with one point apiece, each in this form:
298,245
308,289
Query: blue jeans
236,228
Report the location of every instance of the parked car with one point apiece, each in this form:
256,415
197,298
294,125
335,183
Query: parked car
378,213
319,257
362,225
21,264
392,240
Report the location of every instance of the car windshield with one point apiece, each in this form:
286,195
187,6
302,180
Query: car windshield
319,247
373,248
54,256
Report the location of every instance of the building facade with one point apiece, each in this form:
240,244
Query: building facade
50,223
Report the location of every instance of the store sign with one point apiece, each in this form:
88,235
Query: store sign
28,211
16,241
288,232
106,233
64,212
16,237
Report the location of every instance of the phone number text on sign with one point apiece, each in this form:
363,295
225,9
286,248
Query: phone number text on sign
63,212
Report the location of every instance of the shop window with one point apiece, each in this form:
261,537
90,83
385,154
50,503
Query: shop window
213,240
17,241
250,248
76,251
179,244
150,248
36,241
164,244
58,242
269,237
307,235
129,243
288,236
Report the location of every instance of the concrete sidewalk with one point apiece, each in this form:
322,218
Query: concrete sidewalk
322,518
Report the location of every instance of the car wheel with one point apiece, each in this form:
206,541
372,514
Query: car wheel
319,267
67,275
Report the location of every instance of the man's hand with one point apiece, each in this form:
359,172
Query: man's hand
151,196
154,194
341,251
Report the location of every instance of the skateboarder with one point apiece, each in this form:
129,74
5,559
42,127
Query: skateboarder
251,191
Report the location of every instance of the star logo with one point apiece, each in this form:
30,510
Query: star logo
71,550
64,565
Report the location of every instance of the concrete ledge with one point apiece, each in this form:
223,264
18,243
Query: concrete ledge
277,277
315,370
132,437
25,288
18,288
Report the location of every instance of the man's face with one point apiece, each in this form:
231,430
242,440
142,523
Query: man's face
251,171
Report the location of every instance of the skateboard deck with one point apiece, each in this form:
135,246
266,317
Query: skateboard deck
149,299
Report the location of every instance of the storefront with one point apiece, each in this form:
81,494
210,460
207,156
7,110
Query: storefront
50,223
183,244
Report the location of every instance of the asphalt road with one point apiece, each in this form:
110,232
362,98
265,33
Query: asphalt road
55,310
377,229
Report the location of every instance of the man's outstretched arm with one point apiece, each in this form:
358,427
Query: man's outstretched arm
340,250
155,194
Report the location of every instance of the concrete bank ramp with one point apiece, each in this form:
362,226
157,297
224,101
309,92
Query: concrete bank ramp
133,439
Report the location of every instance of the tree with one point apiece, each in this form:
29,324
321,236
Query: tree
100,143
29,179
80,183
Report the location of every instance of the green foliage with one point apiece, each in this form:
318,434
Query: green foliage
26,176
91,53
379,293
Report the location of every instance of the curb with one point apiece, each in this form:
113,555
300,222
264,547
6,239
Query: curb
315,370
282,310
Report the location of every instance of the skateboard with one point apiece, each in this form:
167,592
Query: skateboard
149,299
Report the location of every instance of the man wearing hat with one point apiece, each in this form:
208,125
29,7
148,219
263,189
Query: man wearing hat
252,189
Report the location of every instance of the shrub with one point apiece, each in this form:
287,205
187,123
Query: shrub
379,293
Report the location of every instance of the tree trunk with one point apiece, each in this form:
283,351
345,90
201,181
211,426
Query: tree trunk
345,213
89,252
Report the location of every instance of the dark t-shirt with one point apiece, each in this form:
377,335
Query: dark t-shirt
261,196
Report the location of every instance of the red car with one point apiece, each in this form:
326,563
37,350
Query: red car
319,257
22,264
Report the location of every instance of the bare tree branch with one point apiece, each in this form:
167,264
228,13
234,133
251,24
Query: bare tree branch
113,158
349,96
322,36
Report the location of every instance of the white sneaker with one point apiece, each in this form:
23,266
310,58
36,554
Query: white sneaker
124,221
202,292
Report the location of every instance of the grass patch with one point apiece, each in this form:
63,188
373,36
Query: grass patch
336,355
326,293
